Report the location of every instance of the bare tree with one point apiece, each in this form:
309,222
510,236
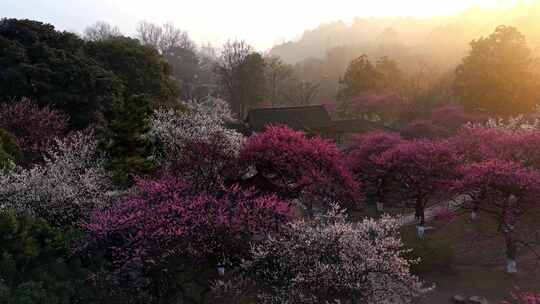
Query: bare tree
278,74
149,33
301,92
173,37
165,38
240,71
101,31
234,53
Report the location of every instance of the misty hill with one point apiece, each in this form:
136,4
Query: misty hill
445,39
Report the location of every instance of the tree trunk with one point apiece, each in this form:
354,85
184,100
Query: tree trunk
420,219
511,251
419,214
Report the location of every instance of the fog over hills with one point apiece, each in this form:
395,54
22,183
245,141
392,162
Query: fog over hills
445,39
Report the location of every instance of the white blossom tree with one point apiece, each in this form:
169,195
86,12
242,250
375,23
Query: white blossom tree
65,188
329,260
196,122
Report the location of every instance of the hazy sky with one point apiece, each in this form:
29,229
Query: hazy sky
261,23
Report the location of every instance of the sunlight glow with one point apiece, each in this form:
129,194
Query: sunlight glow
261,23
268,19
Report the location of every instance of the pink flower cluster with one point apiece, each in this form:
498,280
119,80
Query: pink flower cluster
164,219
524,298
35,128
292,165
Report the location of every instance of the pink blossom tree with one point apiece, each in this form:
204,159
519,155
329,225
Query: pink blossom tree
208,164
478,143
288,163
475,144
361,159
522,146
504,191
35,128
196,143
424,169
328,260
164,230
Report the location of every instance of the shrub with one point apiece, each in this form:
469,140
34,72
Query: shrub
36,265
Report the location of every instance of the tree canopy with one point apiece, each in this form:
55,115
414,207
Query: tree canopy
498,74
49,66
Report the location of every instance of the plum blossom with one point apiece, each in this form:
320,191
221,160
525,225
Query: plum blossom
65,188
164,226
196,122
329,260
292,165
35,128
502,190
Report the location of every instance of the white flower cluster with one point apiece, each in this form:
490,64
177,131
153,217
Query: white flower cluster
197,122
516,123
65,188
331,260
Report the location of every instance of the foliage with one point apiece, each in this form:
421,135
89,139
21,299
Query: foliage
125,140
503,190
367,89
498,74
291,165
361,76
51,67
164,231
361,160
36,265
329,260
192,68
10,152
65,188
35,128
423,168
140,68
